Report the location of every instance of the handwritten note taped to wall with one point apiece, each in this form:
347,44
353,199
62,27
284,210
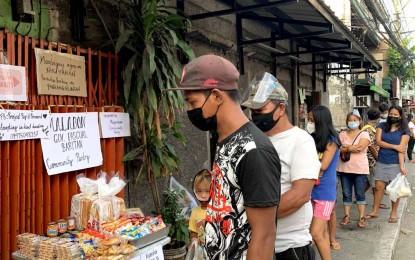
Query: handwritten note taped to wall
13,83
24,124
114,124
60,73
74,143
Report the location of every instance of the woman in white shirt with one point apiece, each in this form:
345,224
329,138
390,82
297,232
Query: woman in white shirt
411,143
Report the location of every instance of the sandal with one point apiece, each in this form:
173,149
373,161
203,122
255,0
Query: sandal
362,222
335,246
393,220
345,221
383,206
368,216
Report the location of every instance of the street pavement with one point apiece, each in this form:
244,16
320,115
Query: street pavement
378,240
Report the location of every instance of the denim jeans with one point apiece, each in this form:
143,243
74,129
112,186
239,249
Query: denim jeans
348,180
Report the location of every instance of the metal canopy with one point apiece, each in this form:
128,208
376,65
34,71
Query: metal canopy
309,23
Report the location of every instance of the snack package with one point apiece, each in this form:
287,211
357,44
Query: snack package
81,203
107,207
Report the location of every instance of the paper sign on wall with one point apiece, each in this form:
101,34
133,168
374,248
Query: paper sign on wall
60,73
114,124
24,124
12,83
74,143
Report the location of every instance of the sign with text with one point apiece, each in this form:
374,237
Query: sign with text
24,124
114,124
154,254
12,83
74,142
60,73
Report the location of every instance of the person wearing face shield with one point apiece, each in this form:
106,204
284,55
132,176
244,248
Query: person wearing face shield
353,172
245,186
267,102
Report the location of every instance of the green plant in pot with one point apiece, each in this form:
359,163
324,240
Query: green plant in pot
170,213
151,35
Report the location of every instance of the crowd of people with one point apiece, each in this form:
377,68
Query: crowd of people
272,186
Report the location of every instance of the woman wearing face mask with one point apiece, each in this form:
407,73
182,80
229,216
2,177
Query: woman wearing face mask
323,196
411,143
353,172
392,138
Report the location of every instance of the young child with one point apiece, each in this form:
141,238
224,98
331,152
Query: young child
201,188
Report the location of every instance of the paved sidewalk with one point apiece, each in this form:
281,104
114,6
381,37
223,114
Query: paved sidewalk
378,239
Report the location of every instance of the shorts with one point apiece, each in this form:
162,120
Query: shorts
386,172
322,208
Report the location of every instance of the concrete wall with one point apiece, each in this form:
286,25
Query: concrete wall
340,100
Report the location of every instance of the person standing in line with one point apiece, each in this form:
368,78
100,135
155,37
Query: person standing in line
245,185
300,166
383,108
392,137
323,196
411,142
354,171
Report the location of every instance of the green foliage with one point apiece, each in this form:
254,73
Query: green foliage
170,213
399,66
149,38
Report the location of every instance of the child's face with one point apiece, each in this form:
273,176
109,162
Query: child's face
202,192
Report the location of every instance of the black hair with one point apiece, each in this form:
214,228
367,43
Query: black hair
232,94
324,127
373,114
383,107
402,124
409,117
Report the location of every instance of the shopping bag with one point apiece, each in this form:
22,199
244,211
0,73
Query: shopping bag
195,251
399,188
188,202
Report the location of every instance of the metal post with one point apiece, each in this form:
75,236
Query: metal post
240,48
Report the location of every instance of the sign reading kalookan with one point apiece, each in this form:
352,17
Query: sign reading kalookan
24,124
114,124
74,142
60,73
12,83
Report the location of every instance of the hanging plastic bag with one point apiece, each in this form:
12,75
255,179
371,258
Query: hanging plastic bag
188,202
399,188
195,251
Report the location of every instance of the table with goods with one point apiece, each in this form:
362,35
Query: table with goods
99,227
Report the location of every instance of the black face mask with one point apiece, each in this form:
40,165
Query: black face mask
197,119
265,122
393,120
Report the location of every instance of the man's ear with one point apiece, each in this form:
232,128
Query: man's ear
217,95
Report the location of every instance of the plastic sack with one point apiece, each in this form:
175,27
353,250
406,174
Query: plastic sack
195,251
87,186
81,203
399,188
188,202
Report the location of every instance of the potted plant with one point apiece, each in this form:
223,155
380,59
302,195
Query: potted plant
179,231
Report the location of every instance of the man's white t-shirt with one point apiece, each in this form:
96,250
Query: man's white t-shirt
299,160
411,126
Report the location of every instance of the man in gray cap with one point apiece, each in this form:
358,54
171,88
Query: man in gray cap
245,187
300,166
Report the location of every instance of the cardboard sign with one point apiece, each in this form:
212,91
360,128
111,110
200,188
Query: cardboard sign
74,142
154,254
114,124
13,83
60,73
24,124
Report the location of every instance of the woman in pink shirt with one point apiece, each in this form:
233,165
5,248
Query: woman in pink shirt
353,173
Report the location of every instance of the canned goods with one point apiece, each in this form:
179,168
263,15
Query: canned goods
71,223
52,229
62,226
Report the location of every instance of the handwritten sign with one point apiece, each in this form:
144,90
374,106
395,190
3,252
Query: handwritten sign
155,253
74,143
60,73
114,124
24,124
13,83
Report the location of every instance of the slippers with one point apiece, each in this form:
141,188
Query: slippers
393,220
383,206
335,246
368,216
362,222
345,221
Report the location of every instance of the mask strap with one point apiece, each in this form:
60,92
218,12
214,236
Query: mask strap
205,103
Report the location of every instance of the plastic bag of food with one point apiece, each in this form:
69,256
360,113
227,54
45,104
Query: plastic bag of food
81,203
195,251
399,188
188,202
